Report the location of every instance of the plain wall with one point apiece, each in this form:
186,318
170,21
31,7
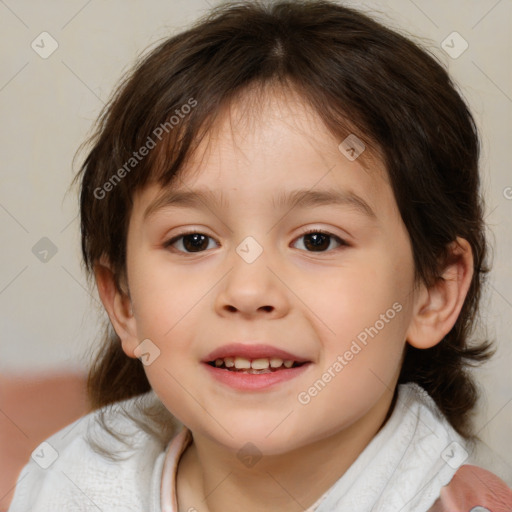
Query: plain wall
49,319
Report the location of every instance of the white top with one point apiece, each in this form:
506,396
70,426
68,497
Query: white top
66,474
403,468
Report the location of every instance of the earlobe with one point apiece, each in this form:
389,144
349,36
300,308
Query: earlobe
118,306
437,308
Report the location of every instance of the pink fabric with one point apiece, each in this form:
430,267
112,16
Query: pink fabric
33,406
177,446
473,487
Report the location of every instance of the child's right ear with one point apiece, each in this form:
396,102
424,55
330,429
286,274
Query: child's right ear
118,306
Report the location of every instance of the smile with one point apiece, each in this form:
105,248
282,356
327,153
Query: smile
250,377
253,366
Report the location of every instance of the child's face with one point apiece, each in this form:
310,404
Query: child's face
314,304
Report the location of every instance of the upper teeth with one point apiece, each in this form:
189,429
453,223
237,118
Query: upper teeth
255,364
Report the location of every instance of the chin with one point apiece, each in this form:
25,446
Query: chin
256,438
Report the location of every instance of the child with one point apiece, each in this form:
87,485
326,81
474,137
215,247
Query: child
282,213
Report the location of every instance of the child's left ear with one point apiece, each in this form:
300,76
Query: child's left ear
436,309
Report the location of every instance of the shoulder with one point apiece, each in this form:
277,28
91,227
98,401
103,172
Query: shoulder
467,485
474,488
85,466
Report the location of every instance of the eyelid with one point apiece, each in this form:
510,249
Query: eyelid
342,242
323,231
181,234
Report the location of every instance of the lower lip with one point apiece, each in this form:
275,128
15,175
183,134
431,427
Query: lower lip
252,381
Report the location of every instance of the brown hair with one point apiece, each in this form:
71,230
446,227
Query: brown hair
399,100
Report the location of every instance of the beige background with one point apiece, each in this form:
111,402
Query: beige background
47,107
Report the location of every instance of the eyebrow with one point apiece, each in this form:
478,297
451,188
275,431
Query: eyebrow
301,198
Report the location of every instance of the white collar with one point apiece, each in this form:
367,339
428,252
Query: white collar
402,469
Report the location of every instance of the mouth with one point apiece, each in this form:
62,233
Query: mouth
254,367
259,366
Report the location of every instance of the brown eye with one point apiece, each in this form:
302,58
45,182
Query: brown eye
190,242
320,241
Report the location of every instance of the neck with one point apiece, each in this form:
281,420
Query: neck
212,478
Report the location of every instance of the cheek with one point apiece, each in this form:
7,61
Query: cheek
166,307
367,317
160,295
354,298
169,385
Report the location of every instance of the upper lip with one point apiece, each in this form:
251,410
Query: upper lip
251,351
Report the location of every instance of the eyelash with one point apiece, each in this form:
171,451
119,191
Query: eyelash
342,242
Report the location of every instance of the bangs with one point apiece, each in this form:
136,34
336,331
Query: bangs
176,140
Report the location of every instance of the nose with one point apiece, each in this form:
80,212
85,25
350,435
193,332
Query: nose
252,289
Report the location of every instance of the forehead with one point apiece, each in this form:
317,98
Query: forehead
265,145
279,123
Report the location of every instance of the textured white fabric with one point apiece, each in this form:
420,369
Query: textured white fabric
82,480
402,469
405,465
